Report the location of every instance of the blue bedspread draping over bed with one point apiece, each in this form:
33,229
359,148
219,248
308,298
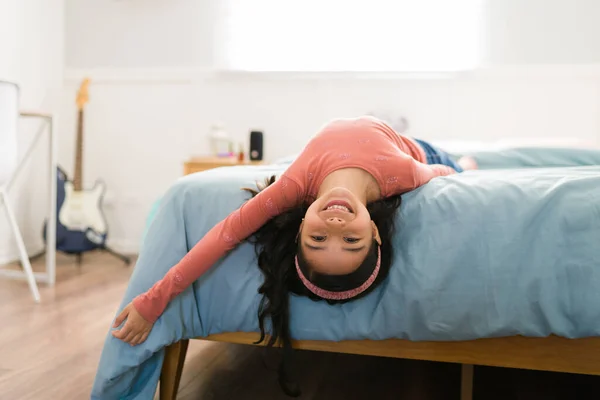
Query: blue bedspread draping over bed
481,254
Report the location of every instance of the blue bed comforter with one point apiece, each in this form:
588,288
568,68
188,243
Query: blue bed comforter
480,254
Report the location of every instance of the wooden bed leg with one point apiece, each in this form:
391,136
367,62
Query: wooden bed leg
466,382
170,374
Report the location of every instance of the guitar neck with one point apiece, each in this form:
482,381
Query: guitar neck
78,175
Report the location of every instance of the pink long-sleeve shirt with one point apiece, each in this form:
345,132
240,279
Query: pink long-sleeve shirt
396,162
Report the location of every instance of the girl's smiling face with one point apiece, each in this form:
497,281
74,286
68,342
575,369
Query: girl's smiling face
336,233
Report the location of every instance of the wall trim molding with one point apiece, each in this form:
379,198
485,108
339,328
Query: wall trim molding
110,75
190,75
541,71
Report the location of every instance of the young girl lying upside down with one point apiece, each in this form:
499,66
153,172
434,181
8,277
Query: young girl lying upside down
322,230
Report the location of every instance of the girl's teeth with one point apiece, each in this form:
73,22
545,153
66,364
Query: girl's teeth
336,207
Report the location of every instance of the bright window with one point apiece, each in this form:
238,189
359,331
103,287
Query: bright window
349,35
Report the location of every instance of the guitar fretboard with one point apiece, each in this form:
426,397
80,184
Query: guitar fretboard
77,175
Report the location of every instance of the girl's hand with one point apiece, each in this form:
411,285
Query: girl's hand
136,328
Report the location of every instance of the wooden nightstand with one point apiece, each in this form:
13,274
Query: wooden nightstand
198,164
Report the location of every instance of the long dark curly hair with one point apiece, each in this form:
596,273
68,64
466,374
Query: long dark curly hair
276,246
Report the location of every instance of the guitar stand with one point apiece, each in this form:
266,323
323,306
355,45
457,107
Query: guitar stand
120,256
110,251
79,256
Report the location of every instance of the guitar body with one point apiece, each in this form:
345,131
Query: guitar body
81,225
81,210
80,222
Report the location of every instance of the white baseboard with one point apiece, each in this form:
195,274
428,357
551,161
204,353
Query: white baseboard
10,255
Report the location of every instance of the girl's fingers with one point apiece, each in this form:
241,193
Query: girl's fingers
126,331
130,336
135,340
121,317
144,337
123,332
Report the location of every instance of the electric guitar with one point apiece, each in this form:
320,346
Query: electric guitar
81,225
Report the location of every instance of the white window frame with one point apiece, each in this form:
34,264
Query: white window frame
472,33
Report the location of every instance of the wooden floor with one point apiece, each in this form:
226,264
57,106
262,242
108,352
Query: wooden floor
51,351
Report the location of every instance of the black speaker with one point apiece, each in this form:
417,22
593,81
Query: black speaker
256,146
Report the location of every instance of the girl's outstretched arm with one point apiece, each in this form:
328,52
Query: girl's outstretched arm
283,194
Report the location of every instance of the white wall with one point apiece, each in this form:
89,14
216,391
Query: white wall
544,31
31,54
134,33
153,98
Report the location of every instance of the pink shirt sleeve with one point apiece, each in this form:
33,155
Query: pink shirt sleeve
282,195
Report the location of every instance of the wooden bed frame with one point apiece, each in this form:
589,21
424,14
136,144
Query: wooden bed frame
557,354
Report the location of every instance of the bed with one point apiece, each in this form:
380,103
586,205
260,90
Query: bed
493,267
